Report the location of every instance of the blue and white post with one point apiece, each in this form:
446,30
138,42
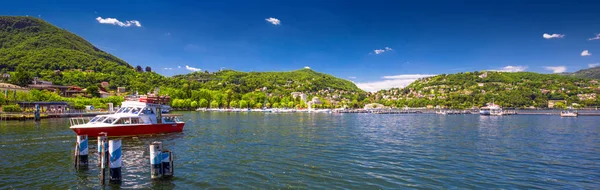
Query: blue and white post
156,160
167,163
81,151
102,138
114,147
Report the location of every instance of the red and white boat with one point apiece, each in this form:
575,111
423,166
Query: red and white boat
134,118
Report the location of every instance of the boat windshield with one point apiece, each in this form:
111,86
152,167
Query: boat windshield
97,119
121,110
109,120
136,110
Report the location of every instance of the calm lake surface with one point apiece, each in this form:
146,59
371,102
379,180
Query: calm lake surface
317,151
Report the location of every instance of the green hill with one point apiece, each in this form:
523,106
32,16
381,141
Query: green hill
31,47
303,80
518,90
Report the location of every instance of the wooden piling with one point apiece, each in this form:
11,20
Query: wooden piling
102,138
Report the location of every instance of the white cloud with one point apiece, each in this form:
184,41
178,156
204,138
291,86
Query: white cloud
352,77
168,68
168,34
396,81
597,37
306,67
593,65
114,21
556,69
193,69
179,67
585,53
380,51
550,36
511,68
273,21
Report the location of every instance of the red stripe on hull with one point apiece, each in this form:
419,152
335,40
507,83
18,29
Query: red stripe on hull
131,130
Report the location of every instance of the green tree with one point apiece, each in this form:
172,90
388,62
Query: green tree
21,77
214,104
93,91
194,104
243,104
203,103
560,105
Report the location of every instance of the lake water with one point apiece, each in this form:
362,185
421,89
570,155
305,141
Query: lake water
317,151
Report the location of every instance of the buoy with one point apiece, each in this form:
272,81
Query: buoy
167,163
102,138
81,151
114,147
155,160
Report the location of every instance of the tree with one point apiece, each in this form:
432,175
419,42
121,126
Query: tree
233,104
22,77
258,105
214,104
560,105
93,91
139,69
243,104
148,69
194,104
203,103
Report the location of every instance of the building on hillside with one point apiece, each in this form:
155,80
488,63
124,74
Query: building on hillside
60,90
12,87
121,90
104,94
104,85
484,75
38,81
5,76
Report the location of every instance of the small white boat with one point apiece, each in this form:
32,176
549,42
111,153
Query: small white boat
568,114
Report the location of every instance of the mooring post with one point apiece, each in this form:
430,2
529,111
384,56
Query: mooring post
102,137
114,147
156,160
167,163
82,151
103,162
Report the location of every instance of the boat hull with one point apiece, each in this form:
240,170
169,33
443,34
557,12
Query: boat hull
130,130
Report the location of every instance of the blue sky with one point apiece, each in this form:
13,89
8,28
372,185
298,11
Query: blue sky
376,44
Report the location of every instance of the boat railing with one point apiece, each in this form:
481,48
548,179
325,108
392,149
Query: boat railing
79,120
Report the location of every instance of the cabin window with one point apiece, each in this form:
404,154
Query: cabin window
120,110
148,111
135,120
126,110
109,120
98,119
123,121
94,119
169,119
136,110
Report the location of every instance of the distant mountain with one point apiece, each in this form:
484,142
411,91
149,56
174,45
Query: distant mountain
593,72
303,80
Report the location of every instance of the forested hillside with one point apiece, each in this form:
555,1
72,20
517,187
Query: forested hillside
518,90
31,47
